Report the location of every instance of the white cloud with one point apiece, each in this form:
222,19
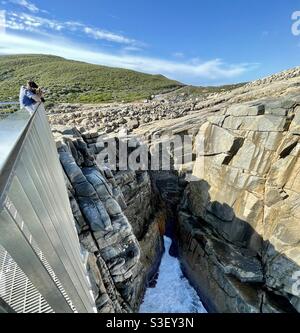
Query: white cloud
25,22
109,36
33,23
132,49
2,22
26,4
214,71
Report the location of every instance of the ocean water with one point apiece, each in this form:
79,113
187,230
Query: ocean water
173,292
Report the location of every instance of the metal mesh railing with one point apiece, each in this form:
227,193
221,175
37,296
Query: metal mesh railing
17,290
37,232
13,211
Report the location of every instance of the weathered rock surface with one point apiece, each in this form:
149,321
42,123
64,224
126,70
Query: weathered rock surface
113,212
247,198
238,221
167,109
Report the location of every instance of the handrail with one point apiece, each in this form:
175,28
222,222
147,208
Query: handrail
37,229
6,171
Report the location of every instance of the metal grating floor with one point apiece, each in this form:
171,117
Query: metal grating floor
41,268
31,295
17,290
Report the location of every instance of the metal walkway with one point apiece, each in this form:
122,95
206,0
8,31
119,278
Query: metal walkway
41,265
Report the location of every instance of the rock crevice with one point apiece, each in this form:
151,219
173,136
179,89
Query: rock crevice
236,223
117,224
250,209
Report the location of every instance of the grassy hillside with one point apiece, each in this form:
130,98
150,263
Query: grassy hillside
72,81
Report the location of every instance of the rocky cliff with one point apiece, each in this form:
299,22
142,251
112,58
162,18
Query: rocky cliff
237,222
117,223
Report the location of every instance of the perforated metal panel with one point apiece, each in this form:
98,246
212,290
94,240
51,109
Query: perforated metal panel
17,290
43,269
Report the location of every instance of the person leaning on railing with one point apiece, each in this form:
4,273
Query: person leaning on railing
30,96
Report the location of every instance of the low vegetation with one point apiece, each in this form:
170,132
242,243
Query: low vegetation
67,81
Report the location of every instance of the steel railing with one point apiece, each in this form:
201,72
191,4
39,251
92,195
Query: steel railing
41,265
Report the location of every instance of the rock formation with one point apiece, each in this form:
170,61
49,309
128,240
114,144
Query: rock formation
241,219
123,250
237,222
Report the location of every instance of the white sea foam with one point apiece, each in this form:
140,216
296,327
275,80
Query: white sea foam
173,292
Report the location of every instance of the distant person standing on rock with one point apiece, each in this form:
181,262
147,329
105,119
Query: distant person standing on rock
30,96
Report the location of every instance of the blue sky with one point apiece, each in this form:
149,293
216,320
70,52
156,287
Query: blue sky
202,42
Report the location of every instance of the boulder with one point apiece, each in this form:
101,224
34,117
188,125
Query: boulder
264,123
247,109
245,199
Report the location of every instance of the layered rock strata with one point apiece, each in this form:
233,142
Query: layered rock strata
239,220
117,224
176,108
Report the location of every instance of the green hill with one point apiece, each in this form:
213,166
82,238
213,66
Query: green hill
69,81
